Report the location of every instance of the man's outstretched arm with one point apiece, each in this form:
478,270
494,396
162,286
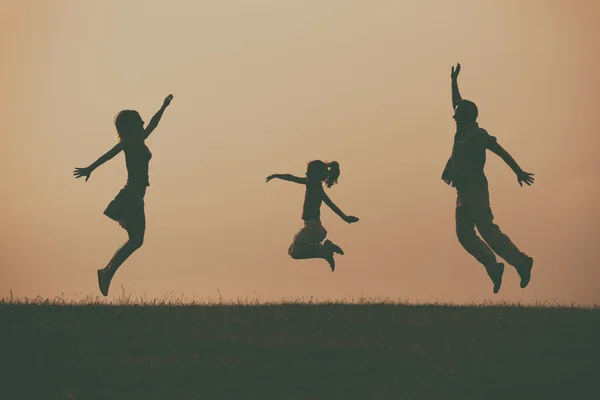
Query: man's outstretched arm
456,98
522,176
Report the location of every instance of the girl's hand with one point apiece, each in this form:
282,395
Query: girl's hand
168,101
526,177
350,219
79,172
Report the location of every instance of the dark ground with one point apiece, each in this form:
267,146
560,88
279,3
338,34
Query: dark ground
298,351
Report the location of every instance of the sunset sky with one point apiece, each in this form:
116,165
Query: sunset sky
265,86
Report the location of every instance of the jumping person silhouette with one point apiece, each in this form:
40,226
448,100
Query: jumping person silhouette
128,206
464,171
307,242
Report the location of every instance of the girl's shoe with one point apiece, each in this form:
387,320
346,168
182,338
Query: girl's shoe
336,249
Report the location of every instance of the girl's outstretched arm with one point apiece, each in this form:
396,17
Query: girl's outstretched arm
522,176
156,119
287,177
348,219
87,171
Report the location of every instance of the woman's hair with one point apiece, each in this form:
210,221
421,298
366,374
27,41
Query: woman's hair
126,122
323,171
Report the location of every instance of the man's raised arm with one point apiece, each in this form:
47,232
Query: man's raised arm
456,98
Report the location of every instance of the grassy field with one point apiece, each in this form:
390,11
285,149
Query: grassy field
297,351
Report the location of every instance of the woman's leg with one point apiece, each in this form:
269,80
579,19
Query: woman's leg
136,233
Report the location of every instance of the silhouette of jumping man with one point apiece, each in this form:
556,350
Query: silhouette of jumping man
308,241
128,206
464,171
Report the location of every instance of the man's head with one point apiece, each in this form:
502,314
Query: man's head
465,113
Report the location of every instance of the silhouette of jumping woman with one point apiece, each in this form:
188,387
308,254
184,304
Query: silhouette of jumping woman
464,171
308,241
128,206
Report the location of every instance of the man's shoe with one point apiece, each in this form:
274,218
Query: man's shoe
495,273
524,272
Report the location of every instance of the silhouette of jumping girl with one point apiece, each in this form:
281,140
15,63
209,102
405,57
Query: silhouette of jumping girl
464,171
128,207
308,241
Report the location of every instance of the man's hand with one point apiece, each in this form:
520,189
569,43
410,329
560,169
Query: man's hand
455,72
350,219
526,177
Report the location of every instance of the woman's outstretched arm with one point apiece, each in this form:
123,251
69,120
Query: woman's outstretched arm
87,171
347,218
156,119
287,177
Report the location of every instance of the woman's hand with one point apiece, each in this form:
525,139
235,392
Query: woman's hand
167,101
455,72
526,177
270,177
79,172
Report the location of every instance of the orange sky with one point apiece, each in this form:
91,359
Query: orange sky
263,87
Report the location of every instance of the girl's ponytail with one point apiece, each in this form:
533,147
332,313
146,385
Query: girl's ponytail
334,173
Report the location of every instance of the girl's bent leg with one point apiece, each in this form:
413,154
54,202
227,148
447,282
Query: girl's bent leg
314,251
308,244
305,252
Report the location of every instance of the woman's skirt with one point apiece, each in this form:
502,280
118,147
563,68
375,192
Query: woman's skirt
312,234
128,207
